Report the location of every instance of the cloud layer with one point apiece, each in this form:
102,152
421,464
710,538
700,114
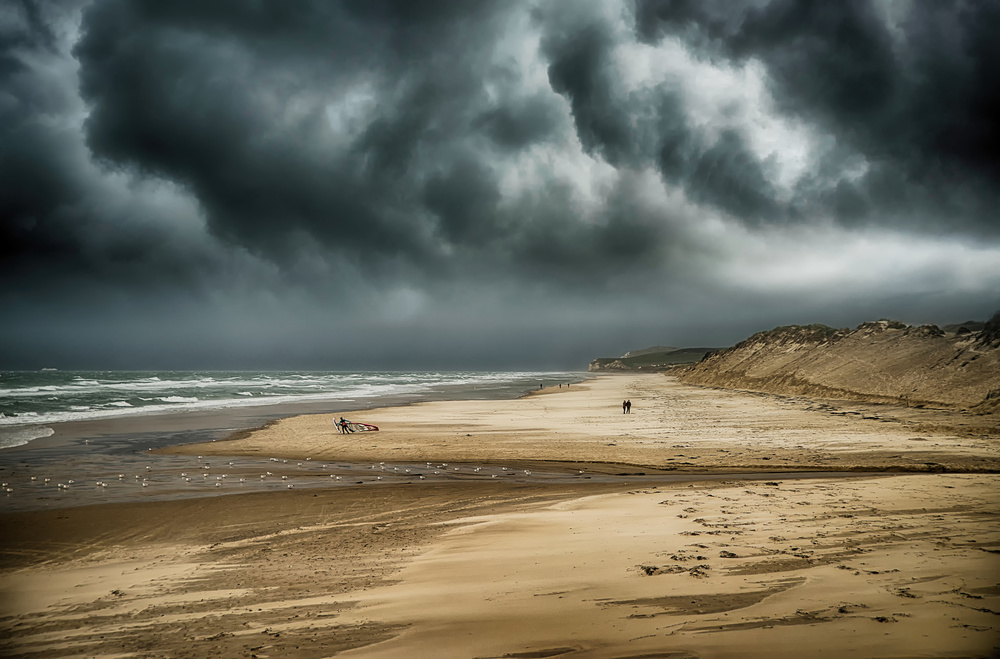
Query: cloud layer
467,179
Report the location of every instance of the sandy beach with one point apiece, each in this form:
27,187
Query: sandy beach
563,528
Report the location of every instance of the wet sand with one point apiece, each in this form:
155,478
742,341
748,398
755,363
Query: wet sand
604,563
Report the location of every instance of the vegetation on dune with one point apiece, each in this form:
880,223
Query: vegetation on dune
647,360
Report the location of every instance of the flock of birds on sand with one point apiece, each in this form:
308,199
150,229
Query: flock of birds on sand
315,474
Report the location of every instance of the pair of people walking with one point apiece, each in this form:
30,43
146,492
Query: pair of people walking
626,406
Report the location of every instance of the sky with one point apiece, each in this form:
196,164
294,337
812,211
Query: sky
389,184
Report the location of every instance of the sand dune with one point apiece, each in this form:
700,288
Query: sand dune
880,361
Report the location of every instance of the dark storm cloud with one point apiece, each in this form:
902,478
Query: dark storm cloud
232,101
62,220
229,165
914,93
520,124
580,69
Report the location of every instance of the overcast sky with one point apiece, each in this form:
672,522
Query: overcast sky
454,184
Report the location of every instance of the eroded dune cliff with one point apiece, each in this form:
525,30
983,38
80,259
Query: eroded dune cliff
881,361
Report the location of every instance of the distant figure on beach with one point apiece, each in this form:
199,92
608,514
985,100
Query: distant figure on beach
624,406
343,426
628,406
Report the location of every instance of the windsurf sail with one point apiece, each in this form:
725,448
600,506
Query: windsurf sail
354,426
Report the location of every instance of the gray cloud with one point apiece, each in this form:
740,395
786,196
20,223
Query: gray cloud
909,88
502,168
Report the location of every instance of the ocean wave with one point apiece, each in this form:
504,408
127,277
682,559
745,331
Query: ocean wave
19,436
253,390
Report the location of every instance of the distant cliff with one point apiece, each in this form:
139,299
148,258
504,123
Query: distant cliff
882,361
650,359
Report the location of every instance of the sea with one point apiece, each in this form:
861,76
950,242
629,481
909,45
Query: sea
32,401
72,438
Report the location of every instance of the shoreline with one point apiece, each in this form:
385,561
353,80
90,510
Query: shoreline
667,430
509,550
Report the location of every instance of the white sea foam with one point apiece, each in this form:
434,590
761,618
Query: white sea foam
20,435
173,394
